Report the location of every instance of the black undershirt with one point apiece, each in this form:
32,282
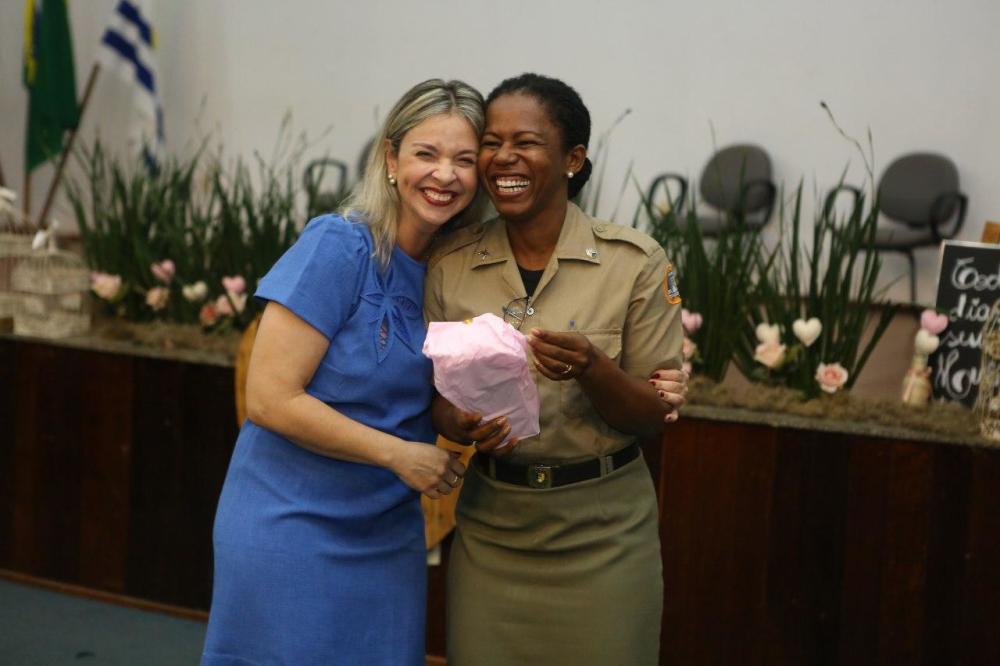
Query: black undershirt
530,279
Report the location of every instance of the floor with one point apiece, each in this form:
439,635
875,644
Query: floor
40,627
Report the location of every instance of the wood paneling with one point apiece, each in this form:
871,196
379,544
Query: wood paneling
184,435
113,465
8,494
780,545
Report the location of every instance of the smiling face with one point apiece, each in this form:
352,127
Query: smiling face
522,162
435,171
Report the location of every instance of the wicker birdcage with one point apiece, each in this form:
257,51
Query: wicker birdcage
15,244
51,288
988,400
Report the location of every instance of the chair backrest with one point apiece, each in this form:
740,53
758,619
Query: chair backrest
729,170
912,185
242,365
366,151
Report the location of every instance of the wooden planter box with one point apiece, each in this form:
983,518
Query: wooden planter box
785,541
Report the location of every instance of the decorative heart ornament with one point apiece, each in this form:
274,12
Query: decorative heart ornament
807,331
768,332
163,271
925,343
234,284
690,321
932,322
195,292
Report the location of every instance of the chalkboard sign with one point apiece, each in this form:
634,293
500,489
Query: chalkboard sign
968,284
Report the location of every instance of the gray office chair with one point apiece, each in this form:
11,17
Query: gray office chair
326,200
366,151
919,195
736,182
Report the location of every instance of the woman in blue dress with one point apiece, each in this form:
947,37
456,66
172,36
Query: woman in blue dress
319,546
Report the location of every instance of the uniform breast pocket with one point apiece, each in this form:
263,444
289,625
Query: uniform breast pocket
573,400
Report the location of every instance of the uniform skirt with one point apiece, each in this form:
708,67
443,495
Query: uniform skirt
569,575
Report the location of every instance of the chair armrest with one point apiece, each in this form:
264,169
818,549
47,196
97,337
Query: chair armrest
647,197
663,180
831,199
939,215
315,171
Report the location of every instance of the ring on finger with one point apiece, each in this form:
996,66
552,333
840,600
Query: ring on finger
475,442
567,370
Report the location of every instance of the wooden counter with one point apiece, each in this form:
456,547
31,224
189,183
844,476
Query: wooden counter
784,541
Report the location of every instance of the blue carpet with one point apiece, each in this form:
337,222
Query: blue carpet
43,628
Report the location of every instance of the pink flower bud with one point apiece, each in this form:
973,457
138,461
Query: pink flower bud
106,286
769,354
831,377
157,298
223,307
207,315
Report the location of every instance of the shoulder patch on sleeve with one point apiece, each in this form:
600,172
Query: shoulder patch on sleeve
619,232
456,241
671,290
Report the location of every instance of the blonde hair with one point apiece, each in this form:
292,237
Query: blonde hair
374,199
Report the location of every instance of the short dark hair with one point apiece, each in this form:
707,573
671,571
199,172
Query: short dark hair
565,108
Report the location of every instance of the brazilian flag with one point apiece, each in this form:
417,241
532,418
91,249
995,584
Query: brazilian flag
50,77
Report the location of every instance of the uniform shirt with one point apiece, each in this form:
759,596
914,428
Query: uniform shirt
606,281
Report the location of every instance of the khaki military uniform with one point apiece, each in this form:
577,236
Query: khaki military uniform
566,575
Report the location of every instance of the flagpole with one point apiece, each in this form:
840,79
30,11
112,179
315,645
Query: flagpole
66,151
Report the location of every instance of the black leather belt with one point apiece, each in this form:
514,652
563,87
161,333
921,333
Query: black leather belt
540,475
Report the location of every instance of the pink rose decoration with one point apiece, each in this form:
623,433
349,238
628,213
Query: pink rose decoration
769,354
106,286
157,298
207,315
223,307
234,284
688,349
690,321
229,304
164,271
831,377
932,322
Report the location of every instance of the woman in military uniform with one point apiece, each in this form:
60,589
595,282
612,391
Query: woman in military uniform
556,557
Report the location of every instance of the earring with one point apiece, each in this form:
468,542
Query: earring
569,174
392,179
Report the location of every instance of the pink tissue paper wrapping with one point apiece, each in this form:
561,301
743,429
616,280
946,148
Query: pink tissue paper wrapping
482,366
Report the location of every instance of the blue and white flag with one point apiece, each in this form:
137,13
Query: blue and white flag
129,48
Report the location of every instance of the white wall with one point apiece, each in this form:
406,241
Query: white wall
922,74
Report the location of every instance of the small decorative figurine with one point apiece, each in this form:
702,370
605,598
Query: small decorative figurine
917,382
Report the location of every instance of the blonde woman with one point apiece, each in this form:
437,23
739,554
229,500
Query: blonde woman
319,546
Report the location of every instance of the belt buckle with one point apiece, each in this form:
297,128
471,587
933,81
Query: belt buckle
540,476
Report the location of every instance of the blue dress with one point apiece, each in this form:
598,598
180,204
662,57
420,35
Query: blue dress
317,560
